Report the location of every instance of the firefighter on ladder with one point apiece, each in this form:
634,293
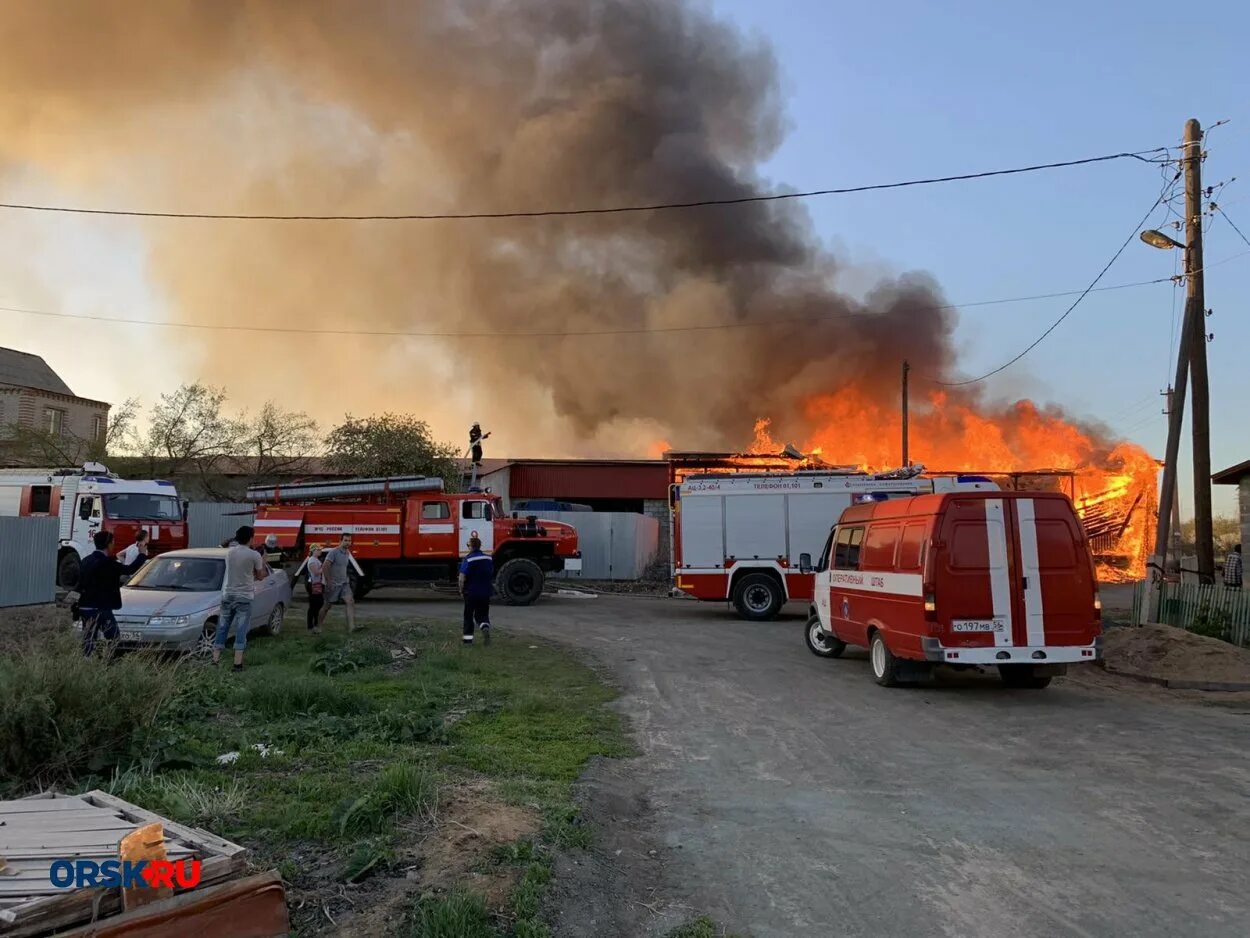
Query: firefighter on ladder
476,436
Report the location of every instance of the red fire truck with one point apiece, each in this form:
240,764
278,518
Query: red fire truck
738,537
408,530
92,499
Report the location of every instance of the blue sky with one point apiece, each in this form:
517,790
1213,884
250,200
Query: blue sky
897,90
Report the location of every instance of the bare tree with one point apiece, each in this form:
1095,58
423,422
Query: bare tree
280,440
188,432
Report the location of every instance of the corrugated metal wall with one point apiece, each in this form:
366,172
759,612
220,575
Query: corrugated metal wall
572,481
28,560
615,545
210,523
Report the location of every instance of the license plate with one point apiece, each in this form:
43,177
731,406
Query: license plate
131,635
978,625
573,564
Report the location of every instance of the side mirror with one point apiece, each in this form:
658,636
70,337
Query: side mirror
186,507
805,563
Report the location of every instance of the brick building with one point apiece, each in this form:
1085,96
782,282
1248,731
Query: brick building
34,397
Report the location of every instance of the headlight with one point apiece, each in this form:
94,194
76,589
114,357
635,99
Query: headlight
169,622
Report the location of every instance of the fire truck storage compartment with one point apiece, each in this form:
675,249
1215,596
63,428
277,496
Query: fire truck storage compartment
808,517
703,531
755,527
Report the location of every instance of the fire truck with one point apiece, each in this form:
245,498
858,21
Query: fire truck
92,499
738,537
408,530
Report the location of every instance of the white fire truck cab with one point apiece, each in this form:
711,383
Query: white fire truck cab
738,537
92,499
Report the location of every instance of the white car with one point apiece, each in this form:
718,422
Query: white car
173,602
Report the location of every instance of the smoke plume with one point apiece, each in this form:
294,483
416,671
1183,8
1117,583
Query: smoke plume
462,105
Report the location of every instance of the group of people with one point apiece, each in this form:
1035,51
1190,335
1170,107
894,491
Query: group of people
327,582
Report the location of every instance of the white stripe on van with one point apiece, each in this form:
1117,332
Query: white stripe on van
896,584
1000,582
1030,569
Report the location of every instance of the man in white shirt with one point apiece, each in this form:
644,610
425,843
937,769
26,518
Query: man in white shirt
243,568
127,556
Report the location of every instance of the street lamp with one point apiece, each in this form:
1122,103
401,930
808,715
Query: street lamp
1157,239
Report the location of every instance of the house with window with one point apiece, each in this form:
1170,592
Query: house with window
33,397
1239,475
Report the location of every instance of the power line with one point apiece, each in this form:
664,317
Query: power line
1235,228
747,323
1142,155
1068,312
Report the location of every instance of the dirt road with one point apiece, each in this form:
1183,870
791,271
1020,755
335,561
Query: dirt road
785,795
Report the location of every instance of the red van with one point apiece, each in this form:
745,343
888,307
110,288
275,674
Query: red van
960,578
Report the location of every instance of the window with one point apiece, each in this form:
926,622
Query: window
846,548
911,546
879,544
142,506
970,546
434,511
97,427
475,510
1056,549
53,420
823,563
40,499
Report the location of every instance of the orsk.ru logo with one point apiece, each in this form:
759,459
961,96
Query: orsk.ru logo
126,874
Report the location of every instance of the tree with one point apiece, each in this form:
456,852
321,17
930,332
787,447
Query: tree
391,445
278,440
188,432
1225,529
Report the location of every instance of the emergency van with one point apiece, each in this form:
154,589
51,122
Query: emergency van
962,579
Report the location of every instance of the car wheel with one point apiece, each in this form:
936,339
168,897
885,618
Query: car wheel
758,597
1022,675
204,644
884,664
821,643
274,624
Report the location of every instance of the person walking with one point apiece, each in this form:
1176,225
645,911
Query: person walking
1232,569
315,584
243,568
128,555
99,589
338,587
477,581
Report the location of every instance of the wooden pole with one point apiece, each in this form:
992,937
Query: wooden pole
906,456
1196,298
1176,417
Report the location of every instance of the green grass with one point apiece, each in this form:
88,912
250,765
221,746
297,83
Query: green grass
360,746
701,927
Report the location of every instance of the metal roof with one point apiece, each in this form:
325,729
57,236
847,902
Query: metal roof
23,370
574,479
1233,474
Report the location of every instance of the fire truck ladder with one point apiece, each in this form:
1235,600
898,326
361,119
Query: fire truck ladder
343,488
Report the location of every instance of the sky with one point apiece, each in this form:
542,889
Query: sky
872,93
900,90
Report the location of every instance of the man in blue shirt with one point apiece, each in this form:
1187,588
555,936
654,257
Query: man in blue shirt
477,581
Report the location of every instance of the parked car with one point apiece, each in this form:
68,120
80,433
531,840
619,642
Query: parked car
174,600
963,579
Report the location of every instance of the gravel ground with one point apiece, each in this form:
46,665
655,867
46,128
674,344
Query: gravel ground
785,795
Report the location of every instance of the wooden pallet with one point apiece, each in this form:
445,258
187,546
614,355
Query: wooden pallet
38,830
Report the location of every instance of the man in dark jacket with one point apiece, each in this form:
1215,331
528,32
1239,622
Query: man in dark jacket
99,589
477,582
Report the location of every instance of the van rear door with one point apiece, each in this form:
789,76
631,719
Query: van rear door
972,573
1056,576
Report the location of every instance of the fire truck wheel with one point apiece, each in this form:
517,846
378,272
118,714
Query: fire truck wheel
519,581
822,643
1021,675
884,664
67,571
758,597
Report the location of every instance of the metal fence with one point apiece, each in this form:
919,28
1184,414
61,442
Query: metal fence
211,523
1208,605
615,545
28,559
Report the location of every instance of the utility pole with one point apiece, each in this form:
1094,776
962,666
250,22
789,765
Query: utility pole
1175,545
906,459
1196,310
1176,417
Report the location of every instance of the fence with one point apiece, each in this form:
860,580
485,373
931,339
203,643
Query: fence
28,560
211,523
615,545
1186,604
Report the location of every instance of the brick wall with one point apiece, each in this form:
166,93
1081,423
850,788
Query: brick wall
657,508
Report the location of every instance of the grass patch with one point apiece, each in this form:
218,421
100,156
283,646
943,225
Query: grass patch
342,755
63,715
701,927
